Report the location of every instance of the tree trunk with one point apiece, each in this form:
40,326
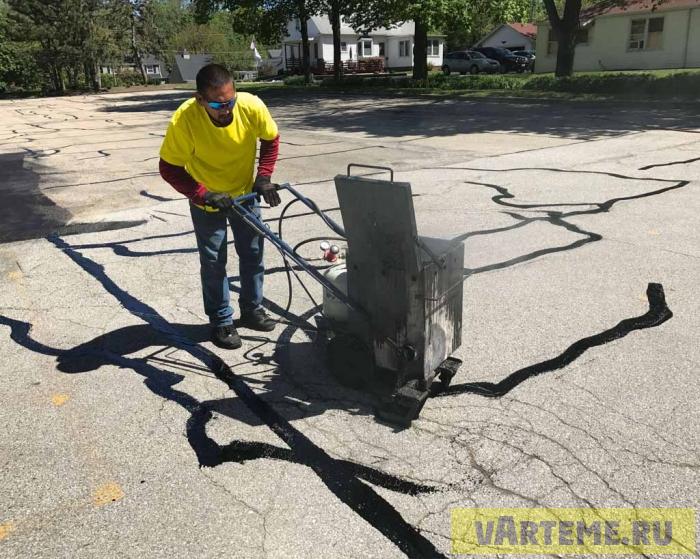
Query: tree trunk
565,29
566,49
135,50
92,75
420,50
337,59
305,56
56,81
89,74
59,80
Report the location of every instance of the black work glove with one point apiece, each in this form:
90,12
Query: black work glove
268,190
218,200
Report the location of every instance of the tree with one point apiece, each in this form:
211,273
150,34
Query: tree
147,36
69,35
217,38
70,38
18,67
477,18
268,19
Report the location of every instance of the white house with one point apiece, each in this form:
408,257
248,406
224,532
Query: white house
511,36
630,35
395,45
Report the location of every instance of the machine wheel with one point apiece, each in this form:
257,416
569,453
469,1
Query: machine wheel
445,372
448,369
474,70
446,69
402,407
350,361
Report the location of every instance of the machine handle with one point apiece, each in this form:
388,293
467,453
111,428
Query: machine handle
391,171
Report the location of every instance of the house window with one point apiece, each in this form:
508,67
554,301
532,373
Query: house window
343,46
364,48
655,30
433,47
404,48
637,33
646,33
552,43
152,69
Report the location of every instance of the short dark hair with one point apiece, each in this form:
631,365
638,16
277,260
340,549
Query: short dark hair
212,75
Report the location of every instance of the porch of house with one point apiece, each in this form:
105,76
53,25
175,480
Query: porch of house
319,66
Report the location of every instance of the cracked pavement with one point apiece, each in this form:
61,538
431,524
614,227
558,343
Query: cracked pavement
568,212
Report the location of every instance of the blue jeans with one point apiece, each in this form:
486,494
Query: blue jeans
210,229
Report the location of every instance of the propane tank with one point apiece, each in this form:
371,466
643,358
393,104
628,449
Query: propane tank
333,308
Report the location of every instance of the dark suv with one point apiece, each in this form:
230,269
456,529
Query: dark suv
509,62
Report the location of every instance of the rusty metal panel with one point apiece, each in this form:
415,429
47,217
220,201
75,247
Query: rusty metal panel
380,225
443,297
411,286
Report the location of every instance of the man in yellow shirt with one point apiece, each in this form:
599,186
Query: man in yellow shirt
208,155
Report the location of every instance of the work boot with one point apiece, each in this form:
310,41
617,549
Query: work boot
226,337
257,320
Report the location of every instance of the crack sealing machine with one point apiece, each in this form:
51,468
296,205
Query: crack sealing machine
392,311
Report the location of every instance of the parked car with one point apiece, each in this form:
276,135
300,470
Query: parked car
527,54
508,61
468,61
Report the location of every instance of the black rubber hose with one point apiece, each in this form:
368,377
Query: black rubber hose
288,269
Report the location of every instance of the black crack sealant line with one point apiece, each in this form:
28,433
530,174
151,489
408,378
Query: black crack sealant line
92,355
670,164
157,198
657,314
334,473
600,207
554,217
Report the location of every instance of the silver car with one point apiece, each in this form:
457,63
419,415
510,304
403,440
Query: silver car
468,61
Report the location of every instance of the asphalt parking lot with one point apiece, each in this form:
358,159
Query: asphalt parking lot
579,388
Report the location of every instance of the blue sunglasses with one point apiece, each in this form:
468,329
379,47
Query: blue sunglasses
225,105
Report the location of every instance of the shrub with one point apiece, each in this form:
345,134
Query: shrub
128,78
110,80
680,84
642,84
294,80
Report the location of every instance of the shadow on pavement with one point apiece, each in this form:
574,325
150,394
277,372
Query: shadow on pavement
27,213
448,117
382,114
148,103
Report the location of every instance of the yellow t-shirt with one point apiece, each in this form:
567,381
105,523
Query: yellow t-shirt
220,158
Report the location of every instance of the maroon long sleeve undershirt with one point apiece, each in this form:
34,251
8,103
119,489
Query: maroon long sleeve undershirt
269,150
183,182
